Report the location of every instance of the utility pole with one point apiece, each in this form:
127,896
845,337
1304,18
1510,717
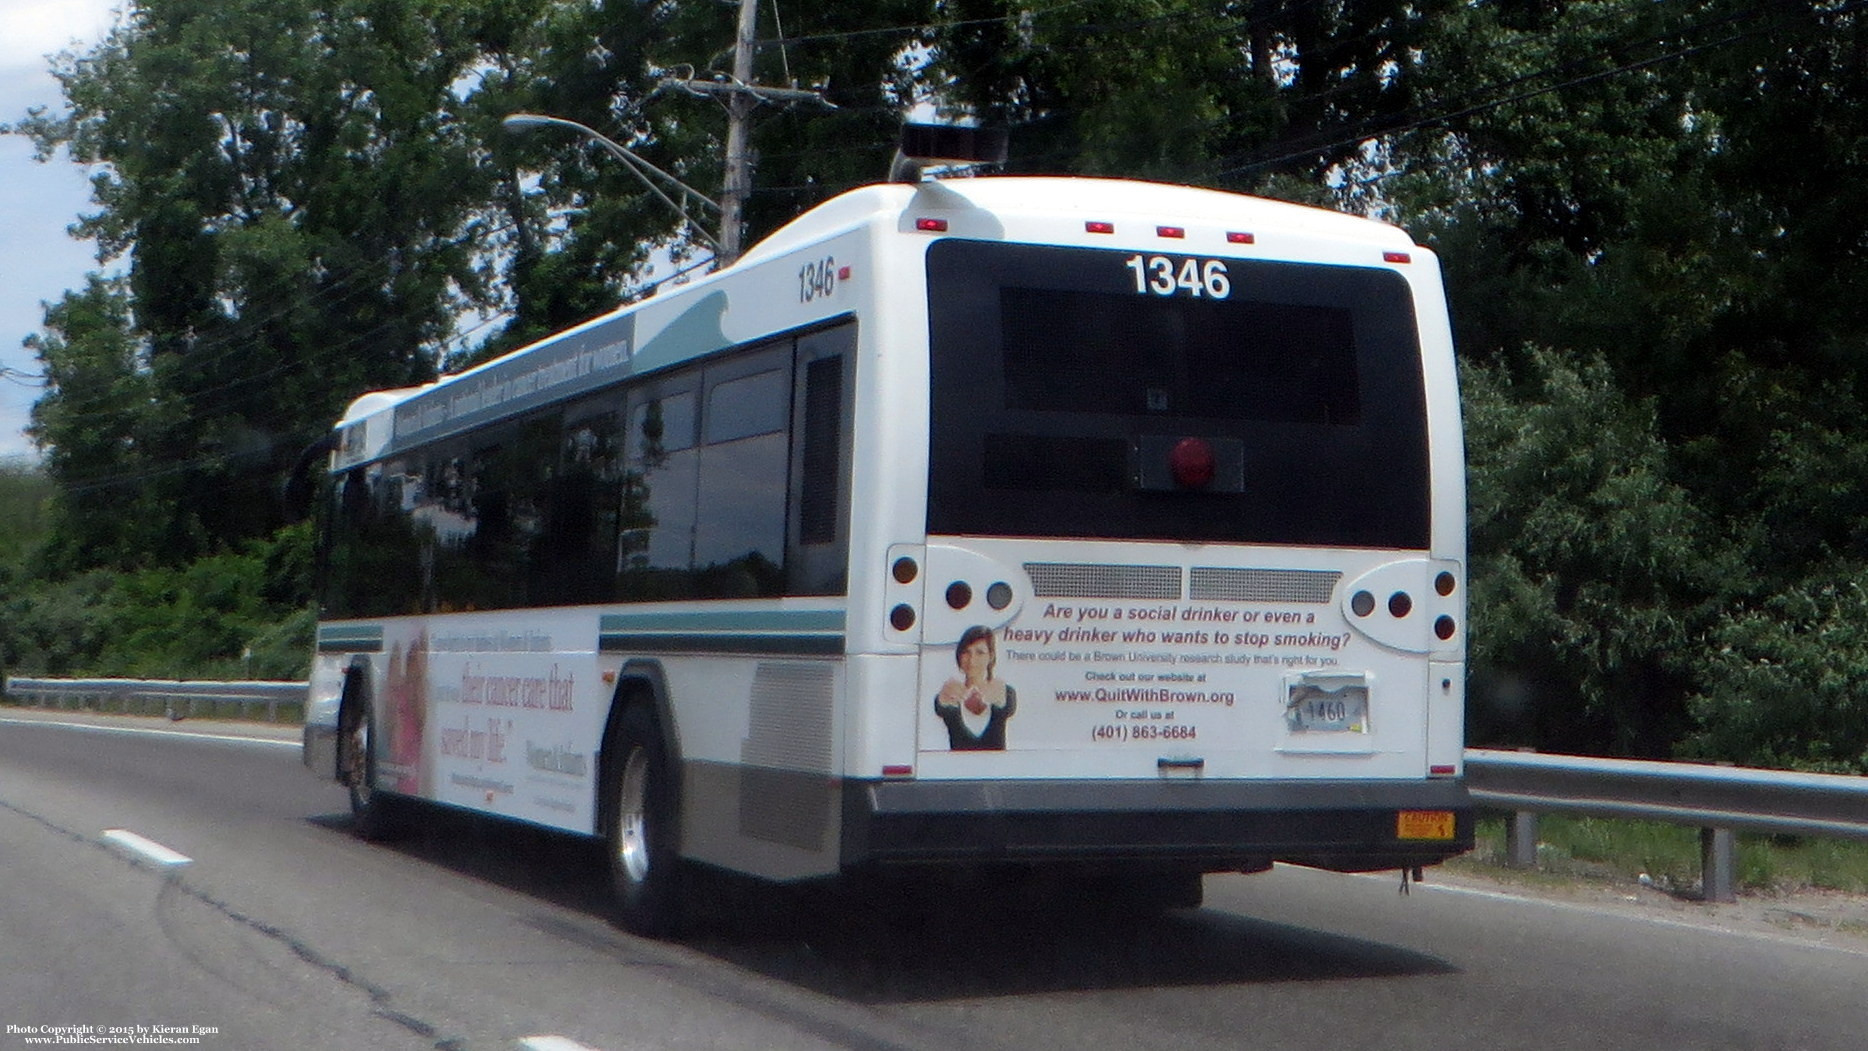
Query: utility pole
741,95
738,181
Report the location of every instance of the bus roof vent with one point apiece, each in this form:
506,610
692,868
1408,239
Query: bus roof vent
925,146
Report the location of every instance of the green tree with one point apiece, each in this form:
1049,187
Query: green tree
295,194
1232,94
1657,193
94,422
1786,682
25,503
1593,575
1646,214
25,499
580,226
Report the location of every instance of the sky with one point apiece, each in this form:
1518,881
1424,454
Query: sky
38,259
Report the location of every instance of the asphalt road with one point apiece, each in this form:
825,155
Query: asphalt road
282,931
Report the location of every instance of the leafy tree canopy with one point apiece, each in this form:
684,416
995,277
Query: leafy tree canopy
1647,215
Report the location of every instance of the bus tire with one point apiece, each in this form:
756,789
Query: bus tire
645,868
373,814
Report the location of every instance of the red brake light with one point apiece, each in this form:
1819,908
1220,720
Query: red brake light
1170,231
1240,237
932,226
1096,226
1397,257
1192,463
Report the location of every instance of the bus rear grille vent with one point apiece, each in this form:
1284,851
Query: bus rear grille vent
1077,580
1264,585
786,756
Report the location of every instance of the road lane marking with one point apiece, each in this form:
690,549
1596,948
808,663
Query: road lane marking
146,849
552,1043
153,732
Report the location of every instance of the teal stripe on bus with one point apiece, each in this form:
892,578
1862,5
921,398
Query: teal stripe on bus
366,639
733,620
810,632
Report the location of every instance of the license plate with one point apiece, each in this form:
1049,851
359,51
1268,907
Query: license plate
1313,709
1424,824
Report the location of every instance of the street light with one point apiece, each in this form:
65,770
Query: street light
639,167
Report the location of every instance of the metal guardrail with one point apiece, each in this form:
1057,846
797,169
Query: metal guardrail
1716,799
177,697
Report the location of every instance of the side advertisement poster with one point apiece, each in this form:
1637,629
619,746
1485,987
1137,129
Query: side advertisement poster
488,720
1097,673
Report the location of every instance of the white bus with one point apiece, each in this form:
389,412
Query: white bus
1011,525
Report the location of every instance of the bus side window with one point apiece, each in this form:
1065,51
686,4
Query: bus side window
346,587
655,542
817,562
573,558
739,538
508,476
374,548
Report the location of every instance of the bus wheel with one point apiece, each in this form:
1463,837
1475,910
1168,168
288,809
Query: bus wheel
644,869
371,812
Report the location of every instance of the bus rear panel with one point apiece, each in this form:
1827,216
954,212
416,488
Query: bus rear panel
1181,509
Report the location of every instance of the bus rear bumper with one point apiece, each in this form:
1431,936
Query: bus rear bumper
1215,826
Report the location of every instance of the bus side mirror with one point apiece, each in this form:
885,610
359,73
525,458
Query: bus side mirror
300,486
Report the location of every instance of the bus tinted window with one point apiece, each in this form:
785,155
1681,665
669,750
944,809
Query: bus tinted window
748,405
739,534
585,502
370,548
1100,352
663,423
677,487
1055,384
819,469
657,546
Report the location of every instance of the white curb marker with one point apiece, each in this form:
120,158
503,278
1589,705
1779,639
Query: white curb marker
552,1043
147,849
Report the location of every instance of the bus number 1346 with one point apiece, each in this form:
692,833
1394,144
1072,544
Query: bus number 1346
1194,277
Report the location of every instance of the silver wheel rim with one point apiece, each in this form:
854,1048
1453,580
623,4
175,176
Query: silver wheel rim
632,819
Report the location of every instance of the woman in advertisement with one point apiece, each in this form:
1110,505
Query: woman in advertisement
975,705
403,716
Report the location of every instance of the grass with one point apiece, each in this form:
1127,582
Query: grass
1622,851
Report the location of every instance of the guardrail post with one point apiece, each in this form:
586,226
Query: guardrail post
1716,864
1521,840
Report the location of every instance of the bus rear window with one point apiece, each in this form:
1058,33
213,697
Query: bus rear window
1055,383
1118,354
